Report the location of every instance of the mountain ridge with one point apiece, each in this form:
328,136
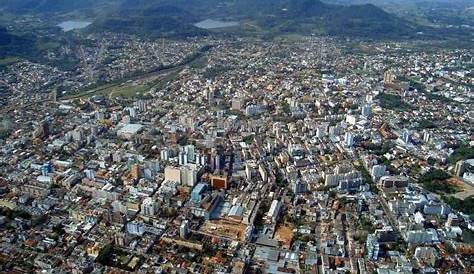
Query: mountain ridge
278,16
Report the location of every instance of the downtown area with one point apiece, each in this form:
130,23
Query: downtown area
309,154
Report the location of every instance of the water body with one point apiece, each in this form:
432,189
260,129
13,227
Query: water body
215,24
73,25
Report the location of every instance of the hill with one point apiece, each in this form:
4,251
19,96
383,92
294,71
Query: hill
176,17
13,45
53,6
150,20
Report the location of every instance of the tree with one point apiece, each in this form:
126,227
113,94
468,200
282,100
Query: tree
104,254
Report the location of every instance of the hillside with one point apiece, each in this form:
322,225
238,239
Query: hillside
269,18
156,21
53,6
176,17
13,45
427,12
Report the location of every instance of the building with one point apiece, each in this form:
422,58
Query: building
388,77
373,247
165,154
129,130
298,186
197,193
136,228
219,182
189,175
427,236
437,209
148,207
184,229
173,174
273,212
460,168
426,255
349,139
237,104
393,181
378,171
406,137
366,110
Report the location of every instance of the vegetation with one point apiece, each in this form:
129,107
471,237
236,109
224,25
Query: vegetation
468,237
466,206
367,178
8,61
216,71
380,150
12,214
435,181
105,254
425,124
262,210
463,152
14,45
392,101
280,180
249,139
366,225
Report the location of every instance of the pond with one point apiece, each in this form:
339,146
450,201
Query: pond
73,25
216,24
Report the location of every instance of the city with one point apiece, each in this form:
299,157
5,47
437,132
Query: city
307,154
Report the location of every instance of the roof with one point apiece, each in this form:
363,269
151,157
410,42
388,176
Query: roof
130,129
236,211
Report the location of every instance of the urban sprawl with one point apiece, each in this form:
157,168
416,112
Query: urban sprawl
238,156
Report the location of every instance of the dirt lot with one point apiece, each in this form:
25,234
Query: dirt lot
467,189
284,234
226,229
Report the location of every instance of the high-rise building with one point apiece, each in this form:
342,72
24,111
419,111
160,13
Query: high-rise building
378,171
165,154
190,152
460,168
189,175
90,174
388,77
406,136
349,139
298,186
217,162
366,110
248,171
182,158
237,104
148,207
198,190
426,137
43,130
321,131
373,247
184,229
173,174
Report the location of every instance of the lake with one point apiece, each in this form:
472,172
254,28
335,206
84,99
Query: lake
215,24
72,25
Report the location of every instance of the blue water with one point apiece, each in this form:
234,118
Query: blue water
72,25
215,24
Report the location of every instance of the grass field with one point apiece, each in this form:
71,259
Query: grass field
124,90
8,61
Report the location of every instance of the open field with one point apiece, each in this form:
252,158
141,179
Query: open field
465,189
